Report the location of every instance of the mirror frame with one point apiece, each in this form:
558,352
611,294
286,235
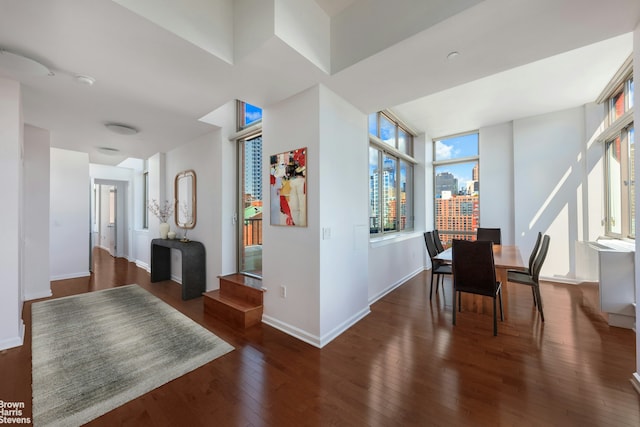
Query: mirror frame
176,193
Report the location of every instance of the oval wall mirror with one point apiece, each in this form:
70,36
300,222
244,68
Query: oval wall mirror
185,196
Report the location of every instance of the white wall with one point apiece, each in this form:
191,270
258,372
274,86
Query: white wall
548,179
636,120
69,214
343,208
291,255
394,261
36,213
201,156
11,137
496,179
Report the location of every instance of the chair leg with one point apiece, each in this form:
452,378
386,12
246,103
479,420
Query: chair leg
459,301
431,287
535,299
454,307
495,318
501,311
539,298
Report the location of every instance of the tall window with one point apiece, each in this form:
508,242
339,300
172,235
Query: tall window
456,186
619,151
250,189
390,175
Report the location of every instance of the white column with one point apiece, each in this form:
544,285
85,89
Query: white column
11,325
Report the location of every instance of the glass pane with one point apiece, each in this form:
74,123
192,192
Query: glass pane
618,105
456,201
404,142
387,131
406,196
632,184
456,147
373,124
251,256
389,201
252,114
614,192
631,93
374,191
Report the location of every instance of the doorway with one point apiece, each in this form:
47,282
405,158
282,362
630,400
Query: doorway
109,218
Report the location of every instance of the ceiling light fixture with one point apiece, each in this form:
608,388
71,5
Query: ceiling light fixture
121,129
84,80
452,55
109,151
21,65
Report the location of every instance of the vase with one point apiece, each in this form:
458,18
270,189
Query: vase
164,230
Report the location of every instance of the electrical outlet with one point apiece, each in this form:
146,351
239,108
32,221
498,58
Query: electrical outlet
283,291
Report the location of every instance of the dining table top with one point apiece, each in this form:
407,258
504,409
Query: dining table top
504,257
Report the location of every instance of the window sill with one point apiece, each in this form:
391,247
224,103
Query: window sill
391,239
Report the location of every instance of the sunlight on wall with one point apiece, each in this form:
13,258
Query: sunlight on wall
558,259
553,193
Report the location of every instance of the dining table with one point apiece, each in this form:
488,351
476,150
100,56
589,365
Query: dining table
505,257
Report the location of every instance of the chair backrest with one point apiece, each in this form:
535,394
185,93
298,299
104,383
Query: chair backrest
534,251
431,246
473,267
437,241
489,234
542,254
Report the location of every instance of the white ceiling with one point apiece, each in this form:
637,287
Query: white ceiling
518,58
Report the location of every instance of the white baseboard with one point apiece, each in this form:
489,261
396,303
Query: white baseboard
143,265
635,381
37,295
393,286
327,338
14,341
71,275
295,332
315,340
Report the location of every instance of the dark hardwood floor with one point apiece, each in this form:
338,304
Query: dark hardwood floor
402,365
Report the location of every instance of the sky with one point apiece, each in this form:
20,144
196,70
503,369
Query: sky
457,147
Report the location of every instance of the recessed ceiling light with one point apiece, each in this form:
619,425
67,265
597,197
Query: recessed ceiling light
121,129
109,151
84,80
21,65
453,54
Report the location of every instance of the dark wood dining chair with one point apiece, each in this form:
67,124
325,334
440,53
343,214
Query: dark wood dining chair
474,272
489,234
437,241
438,268
532,278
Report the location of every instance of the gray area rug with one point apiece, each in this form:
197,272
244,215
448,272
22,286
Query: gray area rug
96,351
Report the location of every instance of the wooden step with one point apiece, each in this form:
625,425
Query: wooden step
238,302
231,310
239,286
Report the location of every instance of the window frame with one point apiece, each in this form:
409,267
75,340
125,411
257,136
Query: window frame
626,197
455,161
384,149
619,124
145,200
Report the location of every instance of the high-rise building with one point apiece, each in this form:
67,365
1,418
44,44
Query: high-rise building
253,168
446,181
459,214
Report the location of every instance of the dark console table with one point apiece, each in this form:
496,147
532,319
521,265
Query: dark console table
193,265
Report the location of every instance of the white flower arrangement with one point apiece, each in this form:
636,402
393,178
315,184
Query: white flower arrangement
161,212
